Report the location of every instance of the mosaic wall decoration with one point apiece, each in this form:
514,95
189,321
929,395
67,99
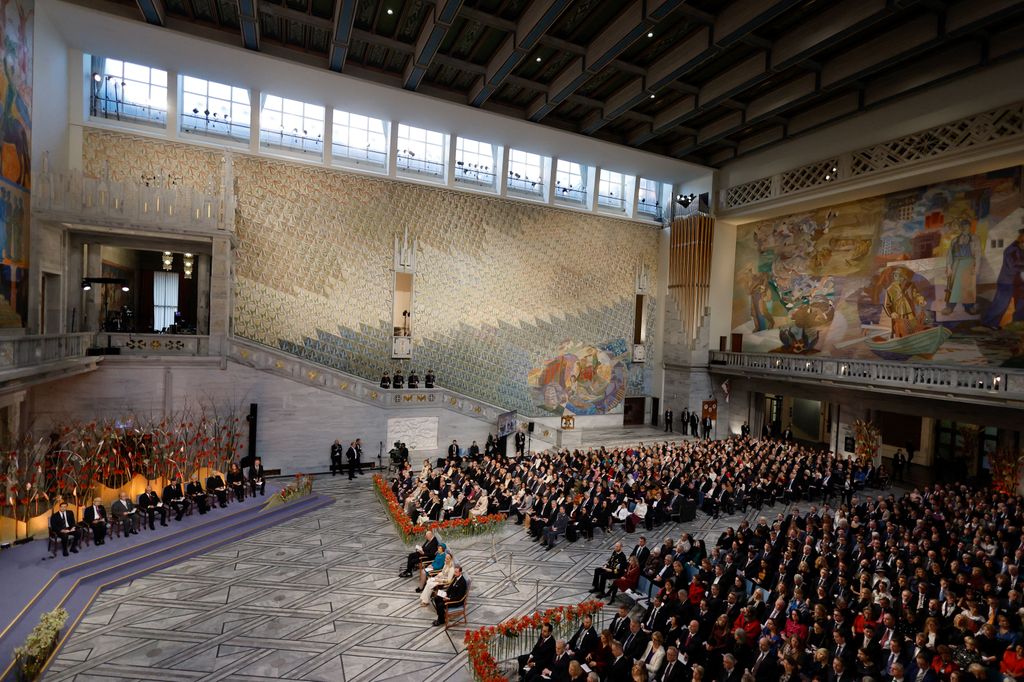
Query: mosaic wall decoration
499,287
15,153
582,379
931,274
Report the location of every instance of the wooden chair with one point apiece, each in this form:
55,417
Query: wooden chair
455,610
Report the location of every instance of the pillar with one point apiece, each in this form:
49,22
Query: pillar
203,293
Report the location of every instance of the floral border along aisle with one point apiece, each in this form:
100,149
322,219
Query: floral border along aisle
411,531
492,642
300,487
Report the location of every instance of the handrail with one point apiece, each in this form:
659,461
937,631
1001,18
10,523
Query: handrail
988,381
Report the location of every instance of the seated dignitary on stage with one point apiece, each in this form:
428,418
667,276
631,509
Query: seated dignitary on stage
236,481
257,478
150,505
124,510
611,570
95,517
174,498
439,579
215,486
195,493
540,656
426,552
62,524
454,593
435,566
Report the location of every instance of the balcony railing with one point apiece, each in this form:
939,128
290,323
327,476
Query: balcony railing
154,344
150,201
19,352
951,380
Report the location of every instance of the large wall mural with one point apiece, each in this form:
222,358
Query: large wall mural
500,285
15,152
931,274
582,379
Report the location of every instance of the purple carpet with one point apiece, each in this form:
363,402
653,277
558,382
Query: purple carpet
33,583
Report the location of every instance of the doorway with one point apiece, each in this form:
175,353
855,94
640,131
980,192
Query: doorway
633,411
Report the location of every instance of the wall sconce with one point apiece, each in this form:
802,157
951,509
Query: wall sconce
188,261
168,260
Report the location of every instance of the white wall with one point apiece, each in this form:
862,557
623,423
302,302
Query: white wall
49,89
296,423
723,260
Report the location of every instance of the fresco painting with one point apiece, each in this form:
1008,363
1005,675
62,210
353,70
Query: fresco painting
15,150
581,379
933,274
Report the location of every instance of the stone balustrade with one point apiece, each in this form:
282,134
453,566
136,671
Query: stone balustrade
19,352
156,203
991,382
154,344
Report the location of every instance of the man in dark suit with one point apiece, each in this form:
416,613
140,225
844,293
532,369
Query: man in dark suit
694,423
668,421
636,640
424,553
150,505
730,670
655,617
585,639
95,517
920,670
707,424
556,528
692,644
620,624
621,669
257,479
124,510
336,450
215,485
453,452
642,552
520,439
352,455
174,497
612,569
766,664
558,669
62,524
673,670
454,593
194,491
540,657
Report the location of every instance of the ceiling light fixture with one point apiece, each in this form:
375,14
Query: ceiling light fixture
652,95
390,11
650,34
538,59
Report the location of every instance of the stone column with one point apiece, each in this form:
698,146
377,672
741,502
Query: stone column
93,299
220,296
203,293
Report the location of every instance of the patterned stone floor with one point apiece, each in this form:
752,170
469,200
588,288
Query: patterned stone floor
317,598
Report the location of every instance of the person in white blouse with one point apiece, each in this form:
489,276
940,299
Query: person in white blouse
439,579
654,654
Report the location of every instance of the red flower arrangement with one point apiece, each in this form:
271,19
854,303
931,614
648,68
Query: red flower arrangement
481,643
409,530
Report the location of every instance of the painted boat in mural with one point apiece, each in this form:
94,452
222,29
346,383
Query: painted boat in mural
920,343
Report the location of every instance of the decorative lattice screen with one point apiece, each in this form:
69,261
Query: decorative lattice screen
748,193
811,175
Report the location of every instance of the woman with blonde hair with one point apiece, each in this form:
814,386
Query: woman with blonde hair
440,579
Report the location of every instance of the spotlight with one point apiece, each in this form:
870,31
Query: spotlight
390,11
96,77
124,287
652,96
538,59
86,285
650,34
